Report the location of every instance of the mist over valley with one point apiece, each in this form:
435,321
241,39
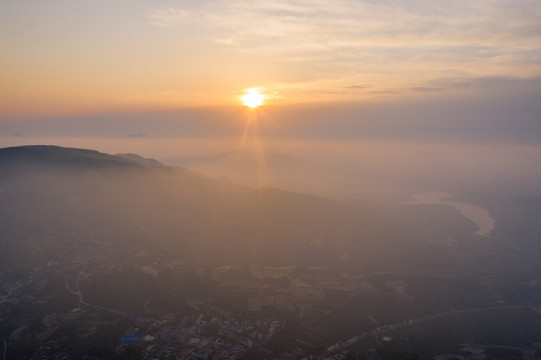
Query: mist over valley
125,237
270,180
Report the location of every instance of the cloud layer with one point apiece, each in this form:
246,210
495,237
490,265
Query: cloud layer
345,38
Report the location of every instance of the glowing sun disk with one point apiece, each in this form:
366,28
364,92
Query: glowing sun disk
253,98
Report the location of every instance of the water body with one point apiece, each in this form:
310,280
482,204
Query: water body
477,214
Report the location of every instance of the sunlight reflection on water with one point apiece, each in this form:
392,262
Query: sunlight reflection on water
478,215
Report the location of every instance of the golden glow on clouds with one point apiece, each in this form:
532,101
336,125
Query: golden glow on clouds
64,56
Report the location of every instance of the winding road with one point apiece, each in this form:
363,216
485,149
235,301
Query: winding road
341,345
82,302
5,348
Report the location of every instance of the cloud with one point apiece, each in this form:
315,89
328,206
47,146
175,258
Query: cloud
383,92
425,89
350,89
139,135
169,17
416,41
357,87
349,26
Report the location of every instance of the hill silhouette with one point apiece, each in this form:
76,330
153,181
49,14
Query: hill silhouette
77,197
53,191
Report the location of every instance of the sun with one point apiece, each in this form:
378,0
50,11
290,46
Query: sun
253,98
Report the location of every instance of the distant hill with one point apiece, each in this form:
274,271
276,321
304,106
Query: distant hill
52,156
233,159
256,169
141,160
63,198
51,191
49,156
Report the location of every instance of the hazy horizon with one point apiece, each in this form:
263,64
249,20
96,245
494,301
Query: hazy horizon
380,95
363,181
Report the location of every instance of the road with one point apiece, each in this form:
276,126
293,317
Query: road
5,348
77,290
399,325
82,301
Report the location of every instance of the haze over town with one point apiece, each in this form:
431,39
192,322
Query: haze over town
270,179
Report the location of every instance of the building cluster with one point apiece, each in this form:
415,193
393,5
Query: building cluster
197,337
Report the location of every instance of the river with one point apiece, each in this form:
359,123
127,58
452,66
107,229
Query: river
478,215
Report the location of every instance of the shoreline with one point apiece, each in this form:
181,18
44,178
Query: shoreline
481,217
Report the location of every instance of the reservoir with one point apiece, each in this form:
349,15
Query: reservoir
477,214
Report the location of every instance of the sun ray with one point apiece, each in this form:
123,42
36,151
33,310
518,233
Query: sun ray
252,146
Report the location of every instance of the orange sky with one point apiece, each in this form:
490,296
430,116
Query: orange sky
89,56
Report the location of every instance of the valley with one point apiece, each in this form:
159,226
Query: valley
107,257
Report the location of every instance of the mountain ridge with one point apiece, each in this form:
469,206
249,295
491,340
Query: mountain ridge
50,190
77,194
57,155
